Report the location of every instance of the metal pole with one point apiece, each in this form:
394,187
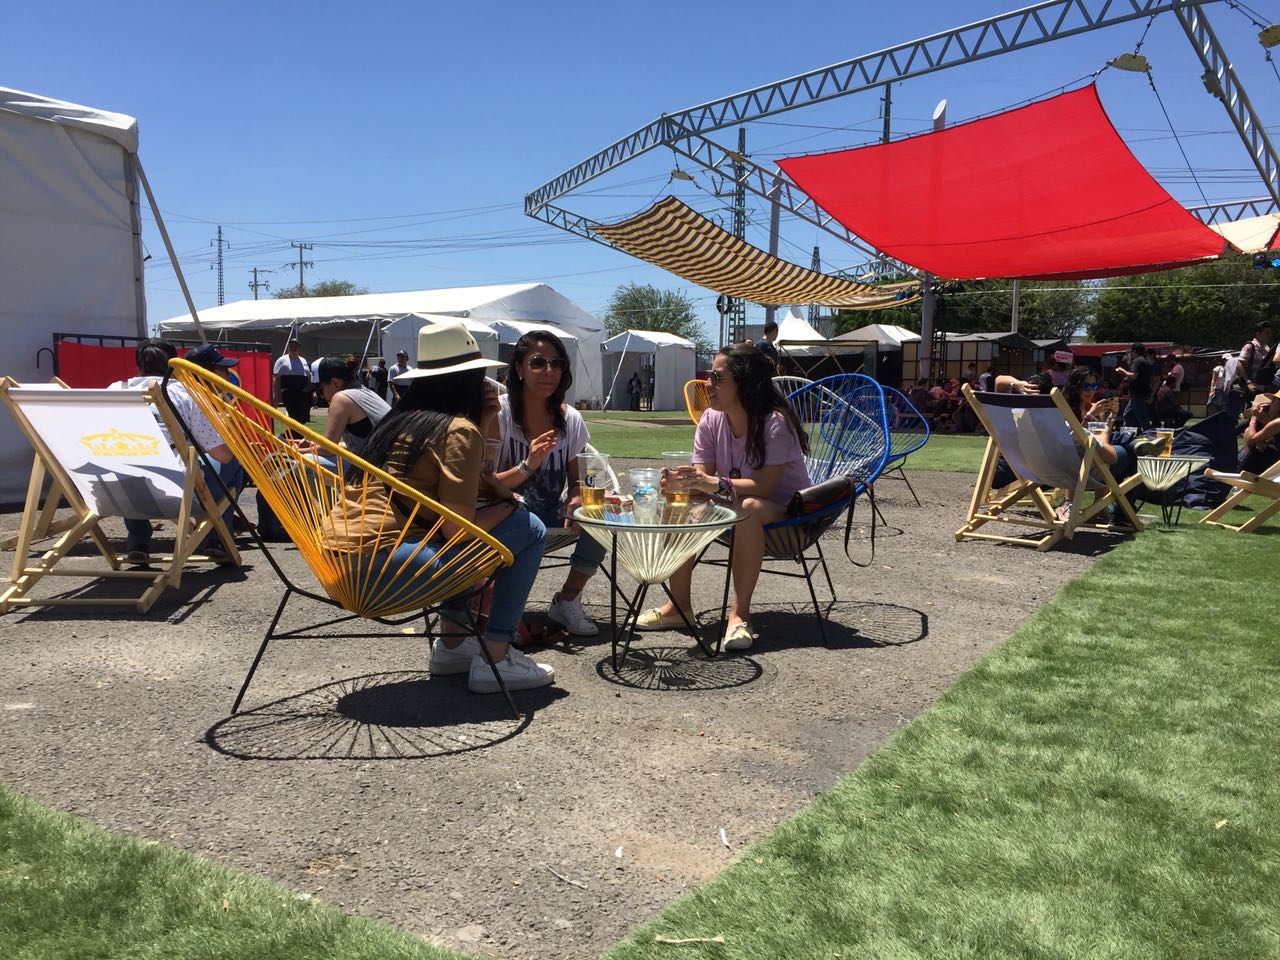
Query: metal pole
928,301
775,214
888,105
168,245
1017,295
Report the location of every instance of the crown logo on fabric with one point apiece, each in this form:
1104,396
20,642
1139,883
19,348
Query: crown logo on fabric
116,443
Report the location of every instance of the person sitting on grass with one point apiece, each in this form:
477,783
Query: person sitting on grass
432,442
540,438
748,447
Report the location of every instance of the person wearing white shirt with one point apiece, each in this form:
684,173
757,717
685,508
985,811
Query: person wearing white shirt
400,368
291,383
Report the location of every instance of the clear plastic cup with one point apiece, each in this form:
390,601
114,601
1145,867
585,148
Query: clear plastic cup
1099,428
671,459
489,465
593,472
646,493
1166,438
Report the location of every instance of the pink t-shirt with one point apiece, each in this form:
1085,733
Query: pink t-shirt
715,444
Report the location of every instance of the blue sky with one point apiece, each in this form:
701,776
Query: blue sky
400,138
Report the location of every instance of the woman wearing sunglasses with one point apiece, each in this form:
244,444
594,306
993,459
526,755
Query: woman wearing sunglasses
749,448
541,437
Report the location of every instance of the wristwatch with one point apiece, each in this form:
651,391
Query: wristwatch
523,467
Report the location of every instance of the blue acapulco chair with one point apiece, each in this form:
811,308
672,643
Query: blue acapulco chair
908,432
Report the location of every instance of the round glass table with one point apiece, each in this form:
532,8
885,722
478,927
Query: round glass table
651,553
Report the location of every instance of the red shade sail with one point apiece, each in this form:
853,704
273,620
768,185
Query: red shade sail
1047,189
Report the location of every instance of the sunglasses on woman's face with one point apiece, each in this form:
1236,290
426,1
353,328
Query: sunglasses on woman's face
716,377
1090,386
538,363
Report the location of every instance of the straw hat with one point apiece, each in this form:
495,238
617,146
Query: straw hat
447,348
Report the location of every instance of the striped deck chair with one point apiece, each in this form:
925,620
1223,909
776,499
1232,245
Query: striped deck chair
303,489
106,455
1045,446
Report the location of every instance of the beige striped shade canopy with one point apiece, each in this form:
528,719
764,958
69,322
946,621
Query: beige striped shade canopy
671,235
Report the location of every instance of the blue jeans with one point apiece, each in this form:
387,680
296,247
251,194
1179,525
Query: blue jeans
1137,414
138,531
587,551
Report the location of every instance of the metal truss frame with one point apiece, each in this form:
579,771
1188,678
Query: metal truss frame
1229,90
1232,210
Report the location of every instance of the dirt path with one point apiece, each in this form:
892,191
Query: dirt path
359,781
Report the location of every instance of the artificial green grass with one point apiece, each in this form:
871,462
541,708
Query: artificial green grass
71,890
1101,786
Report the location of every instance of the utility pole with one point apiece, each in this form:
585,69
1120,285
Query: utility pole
816,265
775,212
887,100
738,306
259,283
301,264
219,241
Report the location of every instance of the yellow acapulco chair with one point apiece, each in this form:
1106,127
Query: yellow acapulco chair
303,489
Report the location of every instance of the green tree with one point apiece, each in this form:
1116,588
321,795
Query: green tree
636,306
322,288
1213,304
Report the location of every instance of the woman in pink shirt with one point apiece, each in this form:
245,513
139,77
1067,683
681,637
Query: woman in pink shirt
749,448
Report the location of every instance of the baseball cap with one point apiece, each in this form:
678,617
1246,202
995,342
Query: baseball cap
207,355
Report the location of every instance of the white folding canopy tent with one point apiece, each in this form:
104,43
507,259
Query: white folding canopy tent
886,335
327,319
670,358
71,260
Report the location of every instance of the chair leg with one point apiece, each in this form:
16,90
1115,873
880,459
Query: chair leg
910,487
813,595
474,623
724,602
266,639
822,558
875,506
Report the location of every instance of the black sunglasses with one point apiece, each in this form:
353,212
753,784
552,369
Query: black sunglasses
1089,386
716,377
537,363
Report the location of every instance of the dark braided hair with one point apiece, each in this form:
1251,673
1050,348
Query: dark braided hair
421,418
752,372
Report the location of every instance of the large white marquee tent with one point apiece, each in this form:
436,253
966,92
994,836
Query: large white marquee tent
72,260
670,359
343,324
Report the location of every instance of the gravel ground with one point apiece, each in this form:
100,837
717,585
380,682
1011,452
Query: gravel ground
354,778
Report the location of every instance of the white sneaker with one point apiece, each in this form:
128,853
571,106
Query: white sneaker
518,672
458,660
569,614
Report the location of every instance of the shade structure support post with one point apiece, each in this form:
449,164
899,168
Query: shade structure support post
775,212
1013,314
1221,81
928,311
168,246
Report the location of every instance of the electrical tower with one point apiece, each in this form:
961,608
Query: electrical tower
220,242
259,283
737,312
301,265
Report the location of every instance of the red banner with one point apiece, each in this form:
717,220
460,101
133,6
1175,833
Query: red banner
100,365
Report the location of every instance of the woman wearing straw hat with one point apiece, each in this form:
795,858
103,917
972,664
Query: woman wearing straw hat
432,441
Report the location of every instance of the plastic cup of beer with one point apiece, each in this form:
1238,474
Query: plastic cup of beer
593,472
1166,439
674,459
1099,429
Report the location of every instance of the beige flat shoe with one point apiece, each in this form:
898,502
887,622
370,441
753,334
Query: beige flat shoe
739,637
652,619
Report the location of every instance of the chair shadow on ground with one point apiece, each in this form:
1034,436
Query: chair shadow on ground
399,715
679,668
850,625
199,585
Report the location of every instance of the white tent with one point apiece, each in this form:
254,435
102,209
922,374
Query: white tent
798,337
664,356
531,303
886,335
71,261
402,334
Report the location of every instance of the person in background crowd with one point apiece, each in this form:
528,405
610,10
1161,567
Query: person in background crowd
398,369
633,392
766,345
1177,372
919,394
354,411
987,379
378,378
540,439
1254,371
1218,386
1261,447
1167,410
315,383
291,383
1138,377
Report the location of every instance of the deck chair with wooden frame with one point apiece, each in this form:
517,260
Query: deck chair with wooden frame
1045,446
1265,484
304,491
844,420
106,455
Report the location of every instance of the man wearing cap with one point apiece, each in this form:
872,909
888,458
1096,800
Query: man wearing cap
400,368
1261,447
291,383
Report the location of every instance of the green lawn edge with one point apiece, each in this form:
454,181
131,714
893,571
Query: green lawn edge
1101,785
70,890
